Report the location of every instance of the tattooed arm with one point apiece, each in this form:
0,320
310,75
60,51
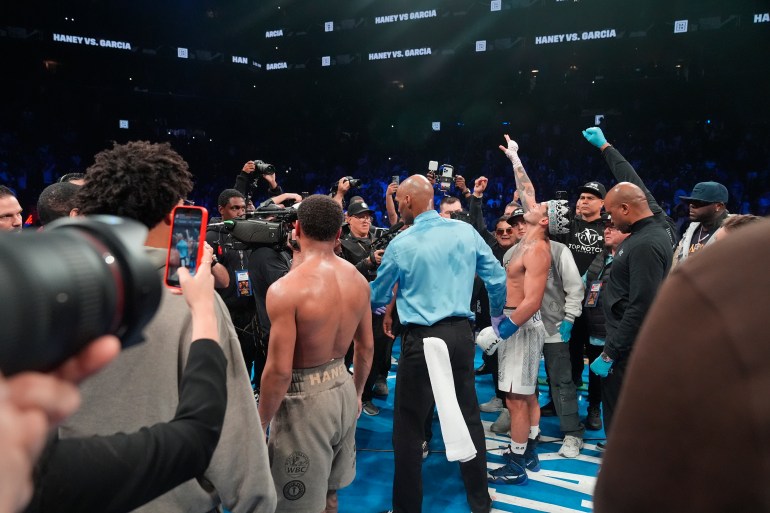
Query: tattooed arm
523,184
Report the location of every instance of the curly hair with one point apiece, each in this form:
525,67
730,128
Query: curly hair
139,180
320,217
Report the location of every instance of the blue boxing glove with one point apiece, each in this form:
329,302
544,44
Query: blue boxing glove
565,330
595,136
504,327
601,366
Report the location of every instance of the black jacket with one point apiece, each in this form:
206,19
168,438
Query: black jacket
641,263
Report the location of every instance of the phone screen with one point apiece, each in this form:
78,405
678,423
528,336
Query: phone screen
395,179
185,247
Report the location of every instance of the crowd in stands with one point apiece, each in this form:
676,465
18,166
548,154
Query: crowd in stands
36,149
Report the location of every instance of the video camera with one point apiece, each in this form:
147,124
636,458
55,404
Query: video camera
382,241
81,278
265,227
354,182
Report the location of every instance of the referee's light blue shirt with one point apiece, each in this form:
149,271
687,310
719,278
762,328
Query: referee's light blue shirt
434,263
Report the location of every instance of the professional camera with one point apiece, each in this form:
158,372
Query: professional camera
384,238
354,182
268,226
461,215
264,168
81,278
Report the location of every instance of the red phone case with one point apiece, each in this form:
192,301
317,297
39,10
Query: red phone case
181,224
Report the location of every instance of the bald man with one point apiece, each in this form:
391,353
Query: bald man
433,263
641,263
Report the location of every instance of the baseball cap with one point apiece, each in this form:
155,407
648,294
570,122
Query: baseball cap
709,192
594,188
359,207
517,212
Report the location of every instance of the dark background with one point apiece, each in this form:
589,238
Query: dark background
318,123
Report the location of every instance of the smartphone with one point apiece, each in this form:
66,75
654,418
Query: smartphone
395,179
186,242
433,165
446,178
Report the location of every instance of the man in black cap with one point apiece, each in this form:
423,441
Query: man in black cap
357,249
707,213
585,239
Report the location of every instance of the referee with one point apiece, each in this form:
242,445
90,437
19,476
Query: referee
433,263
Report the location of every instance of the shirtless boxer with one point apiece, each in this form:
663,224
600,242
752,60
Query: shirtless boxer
520,325
308,397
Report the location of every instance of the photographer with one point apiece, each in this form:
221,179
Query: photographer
33,402
356,249
110,473
246,180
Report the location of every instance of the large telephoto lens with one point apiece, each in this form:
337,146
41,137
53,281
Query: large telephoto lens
62,288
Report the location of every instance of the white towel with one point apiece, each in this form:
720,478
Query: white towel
457,438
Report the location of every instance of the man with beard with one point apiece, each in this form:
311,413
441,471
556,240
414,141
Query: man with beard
707,213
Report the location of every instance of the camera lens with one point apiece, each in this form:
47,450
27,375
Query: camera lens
60,289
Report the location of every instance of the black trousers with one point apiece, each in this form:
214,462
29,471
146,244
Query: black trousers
381,343
414,406
244,323
611,386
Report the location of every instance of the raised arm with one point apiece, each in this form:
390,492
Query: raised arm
523,183
390,205
619,166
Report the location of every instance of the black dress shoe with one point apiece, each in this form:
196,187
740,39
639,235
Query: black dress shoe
483,369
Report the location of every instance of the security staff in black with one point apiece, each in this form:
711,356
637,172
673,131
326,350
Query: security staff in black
357,249
641,263
234,255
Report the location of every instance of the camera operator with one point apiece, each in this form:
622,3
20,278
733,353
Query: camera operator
357,249
266,265
234,259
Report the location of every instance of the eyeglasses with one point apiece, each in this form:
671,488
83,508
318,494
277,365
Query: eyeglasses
363,217
501,231
610,228
699,203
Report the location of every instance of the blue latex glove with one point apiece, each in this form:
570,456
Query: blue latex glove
600,367
565,330
504,327
380,310
595,136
